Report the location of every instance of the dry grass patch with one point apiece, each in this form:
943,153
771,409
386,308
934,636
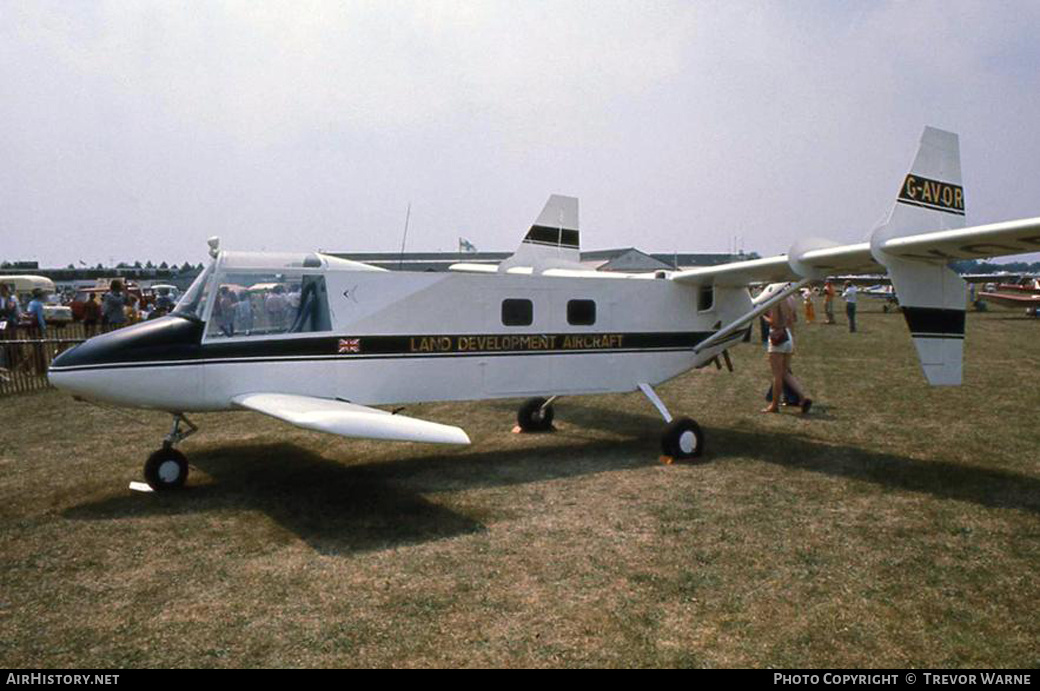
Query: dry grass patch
898,525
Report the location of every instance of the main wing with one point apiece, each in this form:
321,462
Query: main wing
349,419
977,242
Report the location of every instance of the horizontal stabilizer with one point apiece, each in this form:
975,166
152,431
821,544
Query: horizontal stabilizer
349,419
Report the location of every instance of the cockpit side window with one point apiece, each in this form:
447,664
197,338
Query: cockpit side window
193,304
256,303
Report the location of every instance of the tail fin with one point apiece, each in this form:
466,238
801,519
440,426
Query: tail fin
932,295
553,240
931,196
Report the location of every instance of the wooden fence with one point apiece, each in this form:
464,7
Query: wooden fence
25,357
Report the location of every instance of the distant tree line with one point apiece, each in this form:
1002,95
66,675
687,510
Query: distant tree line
974,266
186,267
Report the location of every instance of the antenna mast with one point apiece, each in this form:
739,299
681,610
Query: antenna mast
407,217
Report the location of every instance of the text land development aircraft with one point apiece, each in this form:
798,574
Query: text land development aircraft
317,341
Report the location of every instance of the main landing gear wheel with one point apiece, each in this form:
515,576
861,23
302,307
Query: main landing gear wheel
165,469
535,416
682,439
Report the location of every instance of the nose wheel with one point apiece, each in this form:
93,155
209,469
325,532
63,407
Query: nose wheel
167,468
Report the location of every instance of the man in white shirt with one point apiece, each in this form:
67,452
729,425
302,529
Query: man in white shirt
850,305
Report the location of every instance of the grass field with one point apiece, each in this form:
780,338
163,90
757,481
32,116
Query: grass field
896,526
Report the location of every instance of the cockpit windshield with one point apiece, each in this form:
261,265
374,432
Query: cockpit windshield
193,304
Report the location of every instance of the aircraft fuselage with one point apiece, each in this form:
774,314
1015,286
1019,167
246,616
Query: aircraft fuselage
401,337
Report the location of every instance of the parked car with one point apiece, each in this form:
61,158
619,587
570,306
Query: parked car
79,300
22,288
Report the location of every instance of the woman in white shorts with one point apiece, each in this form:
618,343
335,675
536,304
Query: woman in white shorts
786,348
781,347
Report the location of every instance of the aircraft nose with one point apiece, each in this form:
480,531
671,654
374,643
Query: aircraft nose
88,368
95,351
63,359
66,374
62,373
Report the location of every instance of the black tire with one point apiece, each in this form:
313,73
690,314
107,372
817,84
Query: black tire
532,418
683,438
166,469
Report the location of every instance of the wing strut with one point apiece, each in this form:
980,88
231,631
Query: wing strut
743,321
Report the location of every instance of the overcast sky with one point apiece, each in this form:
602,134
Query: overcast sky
135,130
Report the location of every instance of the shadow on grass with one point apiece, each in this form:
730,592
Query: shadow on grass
338,508
333,507
999,489
983,486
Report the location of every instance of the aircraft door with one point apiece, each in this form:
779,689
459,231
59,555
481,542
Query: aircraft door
587,336
518,343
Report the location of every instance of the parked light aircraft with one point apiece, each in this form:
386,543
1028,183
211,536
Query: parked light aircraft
1025,293
880,288
884,292
317,341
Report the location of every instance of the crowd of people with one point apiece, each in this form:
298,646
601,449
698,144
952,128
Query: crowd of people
116,308
13,319
119,307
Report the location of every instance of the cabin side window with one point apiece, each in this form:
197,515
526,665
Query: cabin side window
581,312
517,312
264,304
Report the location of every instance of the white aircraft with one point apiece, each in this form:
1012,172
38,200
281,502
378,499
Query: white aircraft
317,341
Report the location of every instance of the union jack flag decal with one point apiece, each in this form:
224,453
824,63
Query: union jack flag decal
350,345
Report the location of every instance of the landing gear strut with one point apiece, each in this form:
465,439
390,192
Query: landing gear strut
167,468
682,438
536,415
